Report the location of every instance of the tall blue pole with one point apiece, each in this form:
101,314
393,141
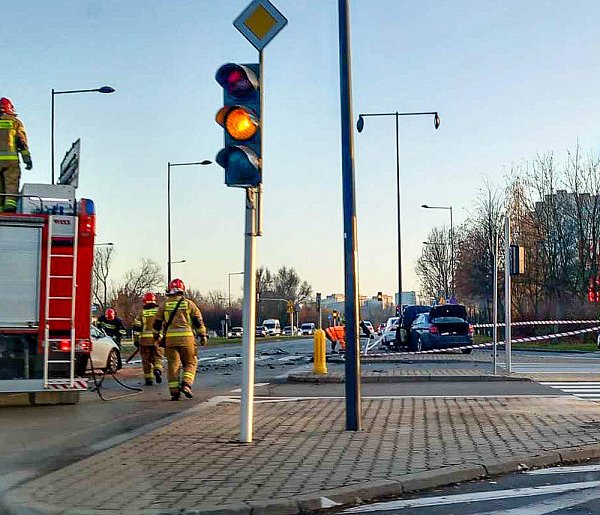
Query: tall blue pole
352,383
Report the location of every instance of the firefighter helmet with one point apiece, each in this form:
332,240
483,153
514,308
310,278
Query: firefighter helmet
110,314
149,298
176,286
6,106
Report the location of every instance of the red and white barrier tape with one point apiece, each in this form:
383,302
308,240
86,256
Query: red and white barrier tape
541,322
490,344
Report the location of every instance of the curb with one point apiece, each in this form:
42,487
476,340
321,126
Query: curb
329,379
347,496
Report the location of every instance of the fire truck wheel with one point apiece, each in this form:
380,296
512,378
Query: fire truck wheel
113,362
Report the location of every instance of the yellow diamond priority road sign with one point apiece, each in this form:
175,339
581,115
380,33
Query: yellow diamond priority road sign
260,22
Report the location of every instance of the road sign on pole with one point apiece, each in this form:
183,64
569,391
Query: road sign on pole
69,168
260,22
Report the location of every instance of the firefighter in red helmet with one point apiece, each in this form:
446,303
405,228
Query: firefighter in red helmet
145,339
13,141
179,319
112,325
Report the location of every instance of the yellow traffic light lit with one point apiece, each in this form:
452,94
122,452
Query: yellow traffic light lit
241,124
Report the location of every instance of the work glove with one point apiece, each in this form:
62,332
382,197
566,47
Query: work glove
203,340
28,163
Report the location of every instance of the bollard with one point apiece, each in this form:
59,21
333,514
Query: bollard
320,363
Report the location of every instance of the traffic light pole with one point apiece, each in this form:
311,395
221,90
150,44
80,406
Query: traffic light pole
253,229
352,362
249,315
507,295
495,301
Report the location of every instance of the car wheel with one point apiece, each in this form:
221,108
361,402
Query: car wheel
113,362
466,351
416,345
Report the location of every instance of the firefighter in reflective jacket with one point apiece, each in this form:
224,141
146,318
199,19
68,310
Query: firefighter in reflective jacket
144,339
13,141
178,319
112,325
336,334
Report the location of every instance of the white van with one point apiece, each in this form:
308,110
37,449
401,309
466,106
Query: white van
307,328
272,326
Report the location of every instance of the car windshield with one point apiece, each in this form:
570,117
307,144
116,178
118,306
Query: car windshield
306,326
270,325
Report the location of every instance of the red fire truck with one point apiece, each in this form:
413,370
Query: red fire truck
46,261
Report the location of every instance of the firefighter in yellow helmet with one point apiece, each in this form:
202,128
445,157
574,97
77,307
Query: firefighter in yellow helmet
145,340
178,319
13,141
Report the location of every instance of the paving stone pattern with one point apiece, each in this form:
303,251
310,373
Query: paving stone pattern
300,447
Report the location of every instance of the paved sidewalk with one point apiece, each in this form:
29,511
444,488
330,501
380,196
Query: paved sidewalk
302,459
399,375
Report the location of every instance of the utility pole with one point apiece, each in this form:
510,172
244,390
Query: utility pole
352,363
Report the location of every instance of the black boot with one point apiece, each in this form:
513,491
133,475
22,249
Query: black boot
187,390
158,375
175,396
148,382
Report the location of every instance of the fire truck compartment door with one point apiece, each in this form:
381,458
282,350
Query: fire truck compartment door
20,255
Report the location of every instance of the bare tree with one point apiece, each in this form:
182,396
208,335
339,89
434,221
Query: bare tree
136,282
434,264
101,286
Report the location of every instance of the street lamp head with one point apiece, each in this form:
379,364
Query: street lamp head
436,121
425,206
206,162
106,89
360,124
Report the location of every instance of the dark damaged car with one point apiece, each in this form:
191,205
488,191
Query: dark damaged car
443,327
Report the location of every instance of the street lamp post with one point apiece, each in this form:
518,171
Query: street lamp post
229,281
169,166
448,208
103,89
360,124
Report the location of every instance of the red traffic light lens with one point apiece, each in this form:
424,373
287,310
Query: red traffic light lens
238,80
238,84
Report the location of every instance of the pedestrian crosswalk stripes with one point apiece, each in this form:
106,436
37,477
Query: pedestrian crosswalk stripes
555,368
588,390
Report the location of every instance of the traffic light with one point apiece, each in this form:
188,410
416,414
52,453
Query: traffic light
380,296
517,260
240,117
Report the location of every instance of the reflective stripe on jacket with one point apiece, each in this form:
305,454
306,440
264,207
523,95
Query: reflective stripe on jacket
13,138
144,323
186,320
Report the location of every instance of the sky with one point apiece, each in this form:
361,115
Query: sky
509,79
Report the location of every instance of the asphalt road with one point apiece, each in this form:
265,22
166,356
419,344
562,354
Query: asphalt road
36,440
573,490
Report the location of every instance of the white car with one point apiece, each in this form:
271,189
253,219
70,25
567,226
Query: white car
389,333
288,331
307,328
236,332
105,353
